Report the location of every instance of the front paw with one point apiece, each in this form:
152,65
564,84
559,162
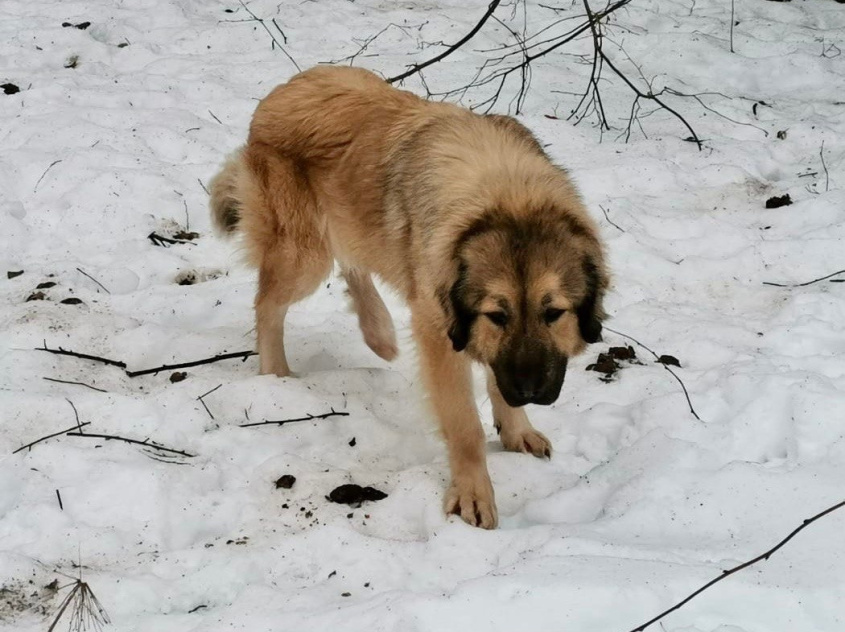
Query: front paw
471,497
527,440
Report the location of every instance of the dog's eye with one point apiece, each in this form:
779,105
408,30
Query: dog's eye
552,314
497,318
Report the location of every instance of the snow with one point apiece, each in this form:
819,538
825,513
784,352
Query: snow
641,503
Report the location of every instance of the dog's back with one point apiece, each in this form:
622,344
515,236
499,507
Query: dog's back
319,113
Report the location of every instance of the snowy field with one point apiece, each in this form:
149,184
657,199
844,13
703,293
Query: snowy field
115,131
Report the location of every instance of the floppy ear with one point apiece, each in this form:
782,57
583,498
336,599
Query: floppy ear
590,311
459,317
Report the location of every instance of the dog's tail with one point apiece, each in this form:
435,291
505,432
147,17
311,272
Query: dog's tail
225,202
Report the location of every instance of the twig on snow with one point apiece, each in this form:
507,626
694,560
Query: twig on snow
607,217
805,284
275,42
86,611
732,26
84,356
81,271
727,573
52,164
93,388
158,240
145,443
187,215
59,496
282,422
202,401
417,67
29,446
650,95
166,367
657,357
826,174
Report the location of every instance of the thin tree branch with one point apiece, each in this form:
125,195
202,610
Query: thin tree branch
29,446
81,271
52,164
84,356
610,221
640,94
417,67
282,422
93,388
273,37
657,357
202,401
732,25
146,442
826,174
805,284
725,574
166,367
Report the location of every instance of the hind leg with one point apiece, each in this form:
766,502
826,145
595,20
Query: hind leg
373,318
282,224
282,281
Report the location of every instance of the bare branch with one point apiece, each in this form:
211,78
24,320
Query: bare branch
145,443
166,367
52,164
276,42
826,174
657,357
282,422
93,388
84,356
417,67
806,283
728,573
81,271
202,401
29,446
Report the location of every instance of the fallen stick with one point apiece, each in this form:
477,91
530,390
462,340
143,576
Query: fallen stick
146,443
50,436
725,574
282,422
167,367
84,356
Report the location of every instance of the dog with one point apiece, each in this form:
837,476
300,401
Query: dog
463,214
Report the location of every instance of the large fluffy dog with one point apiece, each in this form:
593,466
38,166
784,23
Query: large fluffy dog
464,215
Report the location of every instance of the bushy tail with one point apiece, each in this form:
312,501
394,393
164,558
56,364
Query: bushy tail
225,202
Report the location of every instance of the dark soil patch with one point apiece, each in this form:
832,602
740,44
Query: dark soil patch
352,494
778,200
607,363
10,88
285,482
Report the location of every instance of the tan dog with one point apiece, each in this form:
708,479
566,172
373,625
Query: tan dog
464,215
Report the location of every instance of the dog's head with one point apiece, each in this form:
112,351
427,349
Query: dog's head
525,296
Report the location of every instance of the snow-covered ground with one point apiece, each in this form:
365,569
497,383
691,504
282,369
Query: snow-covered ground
641,503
